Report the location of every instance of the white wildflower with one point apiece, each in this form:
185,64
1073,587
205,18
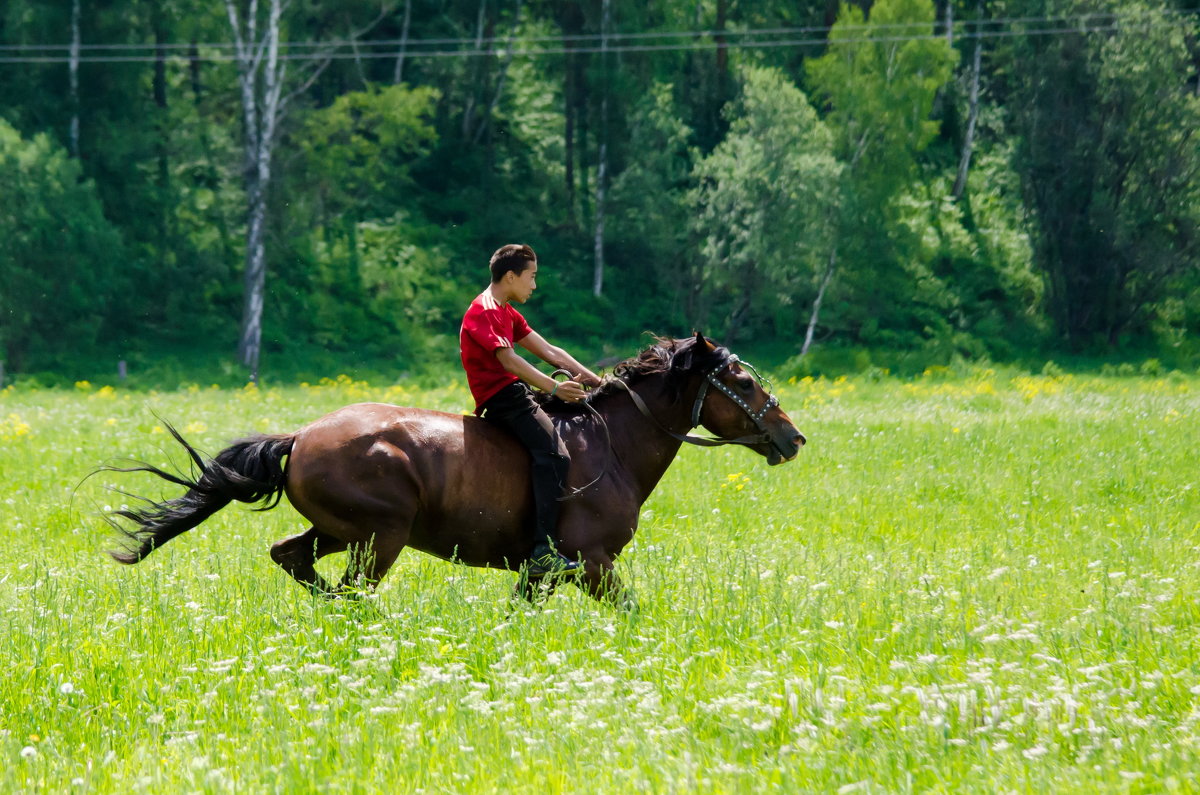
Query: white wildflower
317,668
1035,752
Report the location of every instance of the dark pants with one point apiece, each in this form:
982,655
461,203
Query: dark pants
514,409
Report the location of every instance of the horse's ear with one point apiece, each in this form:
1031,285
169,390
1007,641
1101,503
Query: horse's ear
707,344
681,360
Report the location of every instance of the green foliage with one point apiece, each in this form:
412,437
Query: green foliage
61,260
650,211
764,199
1077,228
379,293
881,88
360,149
1106,123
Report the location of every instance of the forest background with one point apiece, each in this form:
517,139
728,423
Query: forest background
209,190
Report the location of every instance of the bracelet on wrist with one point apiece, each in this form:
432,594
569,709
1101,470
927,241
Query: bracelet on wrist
556,385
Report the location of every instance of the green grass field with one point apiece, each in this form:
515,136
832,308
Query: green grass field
968,581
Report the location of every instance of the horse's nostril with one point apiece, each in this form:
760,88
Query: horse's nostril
799,439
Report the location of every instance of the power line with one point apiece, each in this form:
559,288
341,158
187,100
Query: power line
959,28
727,34
968,29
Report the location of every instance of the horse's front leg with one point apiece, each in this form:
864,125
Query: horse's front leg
601,582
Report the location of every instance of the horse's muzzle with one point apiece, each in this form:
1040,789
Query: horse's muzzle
783,451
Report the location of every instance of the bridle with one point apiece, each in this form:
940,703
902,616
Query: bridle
712,377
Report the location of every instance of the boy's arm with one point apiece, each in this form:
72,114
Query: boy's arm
510,360
569,391
537,345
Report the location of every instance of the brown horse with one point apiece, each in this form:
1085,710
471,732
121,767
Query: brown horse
374,478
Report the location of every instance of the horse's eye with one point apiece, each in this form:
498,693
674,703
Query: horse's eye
746,383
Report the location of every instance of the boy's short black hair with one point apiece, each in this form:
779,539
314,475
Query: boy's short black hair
515,257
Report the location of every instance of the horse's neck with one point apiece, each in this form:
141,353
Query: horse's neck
641,447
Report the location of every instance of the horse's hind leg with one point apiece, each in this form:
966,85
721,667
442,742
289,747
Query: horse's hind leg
298,555
370,561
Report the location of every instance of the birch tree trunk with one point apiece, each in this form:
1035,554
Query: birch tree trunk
964,162
478,70
598,240
486,123
163,132
73,68
602,167
569,127
260,78
816,306
398,75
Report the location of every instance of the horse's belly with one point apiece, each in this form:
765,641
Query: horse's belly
477,538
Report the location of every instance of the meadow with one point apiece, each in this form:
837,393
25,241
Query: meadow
969,581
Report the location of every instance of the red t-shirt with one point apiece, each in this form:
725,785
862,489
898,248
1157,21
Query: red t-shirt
488,326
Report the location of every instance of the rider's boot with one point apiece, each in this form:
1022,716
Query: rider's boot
546,560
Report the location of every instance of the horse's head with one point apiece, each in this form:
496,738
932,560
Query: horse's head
733,402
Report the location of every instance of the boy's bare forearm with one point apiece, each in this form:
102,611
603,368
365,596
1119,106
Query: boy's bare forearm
522,369
569,363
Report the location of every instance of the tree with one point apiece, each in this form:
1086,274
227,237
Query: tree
261,79
764,197
358,151
651,212
58,266
879,78
1110,163
357,154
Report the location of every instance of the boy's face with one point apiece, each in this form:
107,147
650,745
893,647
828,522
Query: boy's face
524,284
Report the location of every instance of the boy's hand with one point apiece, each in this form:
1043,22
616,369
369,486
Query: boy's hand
570,391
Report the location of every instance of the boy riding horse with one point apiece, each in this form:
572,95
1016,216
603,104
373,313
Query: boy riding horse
500,383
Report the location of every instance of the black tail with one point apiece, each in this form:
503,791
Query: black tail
249,470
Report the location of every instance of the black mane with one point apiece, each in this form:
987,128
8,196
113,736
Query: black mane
675,357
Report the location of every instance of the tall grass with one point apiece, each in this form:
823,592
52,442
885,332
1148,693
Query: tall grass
966,582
